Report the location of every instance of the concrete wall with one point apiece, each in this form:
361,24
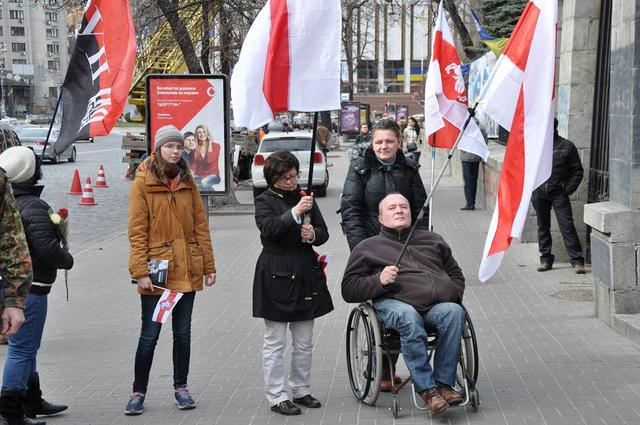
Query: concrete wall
616,224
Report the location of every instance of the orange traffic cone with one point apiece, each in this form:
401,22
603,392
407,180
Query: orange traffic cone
76,187
87,194
101,181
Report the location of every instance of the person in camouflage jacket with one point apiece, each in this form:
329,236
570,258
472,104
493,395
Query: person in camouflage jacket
15,262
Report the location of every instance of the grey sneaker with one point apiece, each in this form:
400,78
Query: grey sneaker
183,399
134,407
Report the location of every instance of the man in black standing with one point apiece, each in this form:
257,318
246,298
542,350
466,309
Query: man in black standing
566,176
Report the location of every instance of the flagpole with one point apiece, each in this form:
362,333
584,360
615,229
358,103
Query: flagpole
312,151
433,173
53,120
472,112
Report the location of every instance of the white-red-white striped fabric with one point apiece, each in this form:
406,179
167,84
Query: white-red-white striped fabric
445,105
290,61
166,303
519,96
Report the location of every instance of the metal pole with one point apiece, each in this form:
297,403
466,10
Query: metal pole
205,204
472,112
313,151
433,173
53,119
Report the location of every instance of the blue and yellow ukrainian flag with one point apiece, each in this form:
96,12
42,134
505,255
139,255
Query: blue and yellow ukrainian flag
495,44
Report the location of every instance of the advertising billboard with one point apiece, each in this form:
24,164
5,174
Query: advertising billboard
350,118
198,106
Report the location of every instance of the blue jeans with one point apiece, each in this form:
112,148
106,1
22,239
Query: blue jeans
24,345
447,318
181,323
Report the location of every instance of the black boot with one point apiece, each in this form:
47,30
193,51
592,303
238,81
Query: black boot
34,404
11,409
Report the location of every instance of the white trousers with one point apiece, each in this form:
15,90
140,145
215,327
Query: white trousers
275,341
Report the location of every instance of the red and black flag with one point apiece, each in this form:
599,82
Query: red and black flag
97,83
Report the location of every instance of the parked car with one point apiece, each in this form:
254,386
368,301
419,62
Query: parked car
299,144
8,137
35,139
13,122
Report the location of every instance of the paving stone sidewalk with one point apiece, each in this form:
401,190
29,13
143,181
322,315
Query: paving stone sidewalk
543,359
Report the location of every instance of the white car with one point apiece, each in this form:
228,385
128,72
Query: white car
299,144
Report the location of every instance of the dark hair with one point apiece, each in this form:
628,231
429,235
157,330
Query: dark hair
387,124
188,134
159,167
416,126
277,164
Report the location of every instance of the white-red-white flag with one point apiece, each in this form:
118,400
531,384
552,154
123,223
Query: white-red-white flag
290,61
166,303
519,96
445,105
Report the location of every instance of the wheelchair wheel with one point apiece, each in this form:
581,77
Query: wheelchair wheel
468,358
364,355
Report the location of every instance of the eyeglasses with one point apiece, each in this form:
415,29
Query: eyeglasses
178,148
285,179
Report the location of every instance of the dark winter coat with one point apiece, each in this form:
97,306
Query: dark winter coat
289,284
367,183
43,239
428,273
567,171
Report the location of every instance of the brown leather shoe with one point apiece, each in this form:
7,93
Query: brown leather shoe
449,395
434,401
543,267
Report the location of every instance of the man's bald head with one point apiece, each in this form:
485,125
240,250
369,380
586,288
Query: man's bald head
394,211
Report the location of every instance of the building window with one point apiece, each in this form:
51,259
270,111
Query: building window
17,31
50,2
53,92
52,32
16,1
53,49
1,32
16,14
53,65
50,16
19,61
18,47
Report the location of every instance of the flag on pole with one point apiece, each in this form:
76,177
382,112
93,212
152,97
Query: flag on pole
97,83
519,96
166,303
495,44
290,61
445,104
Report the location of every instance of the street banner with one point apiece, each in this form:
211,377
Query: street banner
402,112
166,303
479,73
445,103
290,61
98,79
198,106
519,96
350,118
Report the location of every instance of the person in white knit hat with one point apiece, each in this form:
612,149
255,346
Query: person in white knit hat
20,381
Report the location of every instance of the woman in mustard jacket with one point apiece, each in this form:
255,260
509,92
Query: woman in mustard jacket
167,222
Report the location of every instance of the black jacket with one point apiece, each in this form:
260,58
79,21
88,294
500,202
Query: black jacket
43,239
367,182
428,273
289,284
567,171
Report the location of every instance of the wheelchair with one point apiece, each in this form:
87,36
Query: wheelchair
369,343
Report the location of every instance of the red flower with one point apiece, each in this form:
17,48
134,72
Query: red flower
64,213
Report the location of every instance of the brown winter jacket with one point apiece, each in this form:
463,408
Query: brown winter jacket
168,225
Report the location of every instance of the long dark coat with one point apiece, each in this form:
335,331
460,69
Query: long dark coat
289,284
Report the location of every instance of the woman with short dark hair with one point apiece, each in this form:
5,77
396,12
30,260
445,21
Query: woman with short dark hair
289,286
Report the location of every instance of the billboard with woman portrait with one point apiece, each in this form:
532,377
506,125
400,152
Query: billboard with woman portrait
198,106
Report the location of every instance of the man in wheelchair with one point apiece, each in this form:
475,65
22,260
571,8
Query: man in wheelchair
424,292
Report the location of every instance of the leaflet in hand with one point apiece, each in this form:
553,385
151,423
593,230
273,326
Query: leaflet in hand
159,272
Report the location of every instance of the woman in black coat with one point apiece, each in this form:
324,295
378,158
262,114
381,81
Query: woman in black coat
21,391
383,169
289,287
